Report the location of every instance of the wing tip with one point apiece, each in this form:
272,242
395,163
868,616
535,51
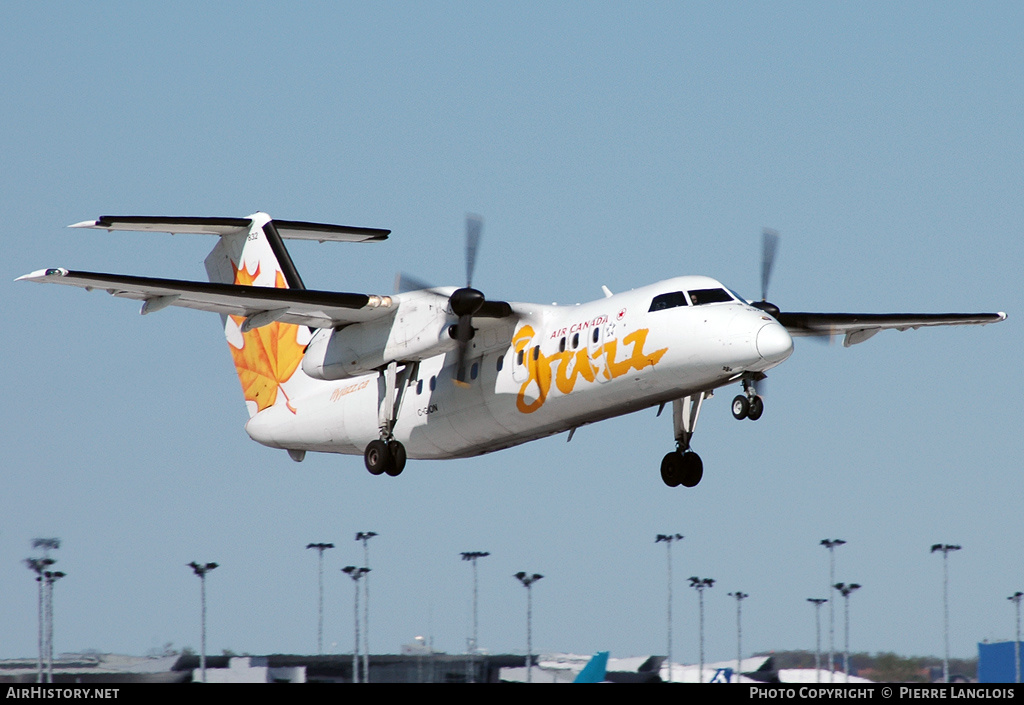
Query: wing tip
85,224
43,274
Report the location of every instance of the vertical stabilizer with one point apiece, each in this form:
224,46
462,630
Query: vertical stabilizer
268,358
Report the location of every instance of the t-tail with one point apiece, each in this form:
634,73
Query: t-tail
267,355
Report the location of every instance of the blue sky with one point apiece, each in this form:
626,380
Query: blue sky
604,143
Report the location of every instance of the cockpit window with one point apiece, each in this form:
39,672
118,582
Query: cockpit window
663,301
699,297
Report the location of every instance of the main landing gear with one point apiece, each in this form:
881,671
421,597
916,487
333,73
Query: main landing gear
682,466
387,455
748,405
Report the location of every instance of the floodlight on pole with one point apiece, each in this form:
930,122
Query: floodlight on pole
320,548
740,596
47,545
945,548
365,537
846,590
1015,598
201,569
831,544
668,540
700,584
472,557
818,602
356,574
528,581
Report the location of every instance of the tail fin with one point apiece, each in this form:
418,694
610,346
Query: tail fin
595,670
268,358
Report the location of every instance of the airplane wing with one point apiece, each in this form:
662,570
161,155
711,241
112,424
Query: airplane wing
290,229
316,309
858,327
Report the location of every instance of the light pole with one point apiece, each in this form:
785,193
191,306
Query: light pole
1015,599
320,548
818,602
740,596
528,581
201,570
365,537
356,574
700,584
946,549
669,539
472,557
39,566
846,591
50,576
830,544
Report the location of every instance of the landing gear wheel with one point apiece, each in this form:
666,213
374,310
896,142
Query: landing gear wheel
671,469
692,469
741,407
378,458
756,408
397,452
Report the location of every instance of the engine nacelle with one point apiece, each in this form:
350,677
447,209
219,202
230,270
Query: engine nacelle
364,347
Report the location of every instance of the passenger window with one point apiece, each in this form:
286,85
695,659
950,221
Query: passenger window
433,383
561,345
575,340
473,370
419,387
597,332
519,357
501,362
536,352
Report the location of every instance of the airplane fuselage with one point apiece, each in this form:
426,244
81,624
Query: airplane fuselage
566,366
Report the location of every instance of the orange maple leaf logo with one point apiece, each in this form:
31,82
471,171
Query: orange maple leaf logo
269,354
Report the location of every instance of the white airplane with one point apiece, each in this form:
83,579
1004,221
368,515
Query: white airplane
446,373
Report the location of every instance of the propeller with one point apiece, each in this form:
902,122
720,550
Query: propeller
769,246
465,303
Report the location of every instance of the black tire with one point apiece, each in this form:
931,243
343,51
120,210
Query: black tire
692,469
397,451
671,473
740,407
756,408
377,457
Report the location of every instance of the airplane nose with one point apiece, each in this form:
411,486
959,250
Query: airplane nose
774,343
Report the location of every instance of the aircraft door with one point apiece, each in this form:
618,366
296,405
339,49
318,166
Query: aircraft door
521,354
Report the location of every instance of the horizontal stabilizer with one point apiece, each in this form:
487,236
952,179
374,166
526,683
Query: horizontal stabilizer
292,229
316,309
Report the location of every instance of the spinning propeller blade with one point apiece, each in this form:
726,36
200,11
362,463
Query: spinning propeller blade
769,244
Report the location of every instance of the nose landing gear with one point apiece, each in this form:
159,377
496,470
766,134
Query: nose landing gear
748,405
